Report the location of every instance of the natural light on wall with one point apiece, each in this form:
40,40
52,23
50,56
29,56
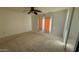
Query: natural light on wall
45,23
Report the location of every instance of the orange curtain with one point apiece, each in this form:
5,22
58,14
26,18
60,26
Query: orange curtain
40,23
47,23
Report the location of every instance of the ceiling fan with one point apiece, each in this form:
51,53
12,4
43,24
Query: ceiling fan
33,10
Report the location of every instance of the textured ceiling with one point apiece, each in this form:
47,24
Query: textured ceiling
43,9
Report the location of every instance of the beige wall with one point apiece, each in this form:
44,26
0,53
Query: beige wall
74,28
75,23
58,20
12,22
35,19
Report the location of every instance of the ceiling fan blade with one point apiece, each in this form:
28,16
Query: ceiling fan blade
29,12
35,13
38,11
33,10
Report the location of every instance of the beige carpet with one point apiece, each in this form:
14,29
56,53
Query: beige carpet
32,42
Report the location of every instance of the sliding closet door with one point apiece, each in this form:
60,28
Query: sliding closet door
47,23
40,23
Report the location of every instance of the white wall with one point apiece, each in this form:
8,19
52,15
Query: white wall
12,22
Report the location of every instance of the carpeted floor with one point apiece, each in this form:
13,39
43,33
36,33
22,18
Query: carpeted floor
33,42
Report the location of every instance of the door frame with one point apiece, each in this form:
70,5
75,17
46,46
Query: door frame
68,22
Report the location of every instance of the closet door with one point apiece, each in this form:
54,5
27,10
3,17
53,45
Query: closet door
40,23
47,23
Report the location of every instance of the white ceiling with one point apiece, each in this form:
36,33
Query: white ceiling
51,9
43,9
